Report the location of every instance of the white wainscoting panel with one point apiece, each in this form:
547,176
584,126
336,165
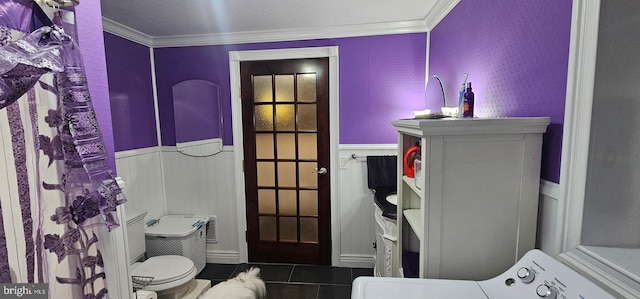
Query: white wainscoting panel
547,214
549,224
205,185
356,204
140,170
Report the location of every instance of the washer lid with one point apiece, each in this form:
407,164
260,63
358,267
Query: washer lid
164,268
175,226
414,288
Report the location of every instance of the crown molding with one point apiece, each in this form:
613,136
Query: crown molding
385,28
433,17
438,12
290,34
125,32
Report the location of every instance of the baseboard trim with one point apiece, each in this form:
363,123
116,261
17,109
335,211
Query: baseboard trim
356,261
346,260
223,257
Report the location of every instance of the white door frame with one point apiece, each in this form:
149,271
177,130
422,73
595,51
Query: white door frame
235,57
577,122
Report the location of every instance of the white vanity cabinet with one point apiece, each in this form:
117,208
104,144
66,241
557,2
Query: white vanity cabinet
473,212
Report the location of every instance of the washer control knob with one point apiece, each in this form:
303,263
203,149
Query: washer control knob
526,275
547,291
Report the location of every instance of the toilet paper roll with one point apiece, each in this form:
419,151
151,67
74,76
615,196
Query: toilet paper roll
142,294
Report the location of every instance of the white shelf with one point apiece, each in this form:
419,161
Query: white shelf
412,184
502,202
414,218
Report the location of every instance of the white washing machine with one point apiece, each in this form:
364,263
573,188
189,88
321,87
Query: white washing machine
535,275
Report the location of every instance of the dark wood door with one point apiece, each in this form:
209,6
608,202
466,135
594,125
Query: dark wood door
285,118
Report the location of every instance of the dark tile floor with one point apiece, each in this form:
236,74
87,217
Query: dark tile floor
286,281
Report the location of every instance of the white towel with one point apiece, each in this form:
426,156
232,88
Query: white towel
142,294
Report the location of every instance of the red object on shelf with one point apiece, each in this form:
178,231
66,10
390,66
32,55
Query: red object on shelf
409,158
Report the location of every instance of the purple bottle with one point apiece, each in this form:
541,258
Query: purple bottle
468,102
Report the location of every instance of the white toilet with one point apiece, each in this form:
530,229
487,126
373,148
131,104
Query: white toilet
173,275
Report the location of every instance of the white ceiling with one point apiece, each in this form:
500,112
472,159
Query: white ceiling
165,18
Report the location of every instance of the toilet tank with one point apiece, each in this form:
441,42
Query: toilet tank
135,234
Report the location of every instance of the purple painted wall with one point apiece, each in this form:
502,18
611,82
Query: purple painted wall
516,54
130,94
90,39
196,110
381,79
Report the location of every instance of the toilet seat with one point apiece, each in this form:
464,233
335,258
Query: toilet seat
387,200
393,199
168,271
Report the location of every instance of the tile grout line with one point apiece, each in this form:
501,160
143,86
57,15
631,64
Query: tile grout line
309,283
351,276
234,271
330,286
291,274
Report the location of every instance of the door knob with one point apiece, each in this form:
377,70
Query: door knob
321,171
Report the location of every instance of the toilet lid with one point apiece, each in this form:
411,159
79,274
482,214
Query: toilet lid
165,269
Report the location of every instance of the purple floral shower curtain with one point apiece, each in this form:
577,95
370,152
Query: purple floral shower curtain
57,186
